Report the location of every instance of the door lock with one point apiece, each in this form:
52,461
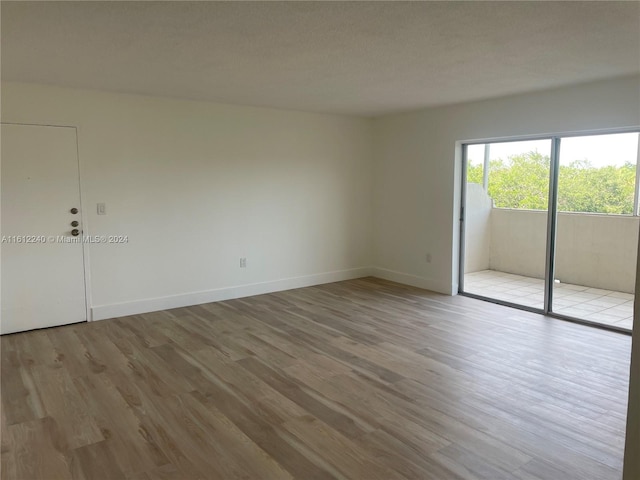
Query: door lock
74,210
75,232
74,223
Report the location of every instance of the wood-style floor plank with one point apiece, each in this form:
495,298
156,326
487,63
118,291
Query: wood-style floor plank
364,379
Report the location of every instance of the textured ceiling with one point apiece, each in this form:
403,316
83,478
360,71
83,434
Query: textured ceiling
362,58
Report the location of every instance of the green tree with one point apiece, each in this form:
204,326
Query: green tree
522,181
474,173
584,188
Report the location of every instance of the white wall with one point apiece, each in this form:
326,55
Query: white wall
198,185
478,229
631,457
518,241
597,250
417,167
594,250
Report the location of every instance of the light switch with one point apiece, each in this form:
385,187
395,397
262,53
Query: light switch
102,209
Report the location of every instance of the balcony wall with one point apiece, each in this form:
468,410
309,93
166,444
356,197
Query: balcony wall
593,250
478,229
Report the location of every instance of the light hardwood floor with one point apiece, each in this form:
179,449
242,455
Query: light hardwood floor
363,379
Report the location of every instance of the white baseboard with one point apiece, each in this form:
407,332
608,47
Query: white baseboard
102,312
413,280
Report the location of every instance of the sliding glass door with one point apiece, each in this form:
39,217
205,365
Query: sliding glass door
597,229
551,225
507,199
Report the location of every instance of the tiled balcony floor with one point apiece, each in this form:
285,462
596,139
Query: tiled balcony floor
593,304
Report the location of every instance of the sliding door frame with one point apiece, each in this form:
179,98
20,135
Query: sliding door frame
552,222
552,219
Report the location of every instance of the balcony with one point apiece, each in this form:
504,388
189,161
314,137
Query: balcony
595,259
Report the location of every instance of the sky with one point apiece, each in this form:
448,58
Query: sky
601,150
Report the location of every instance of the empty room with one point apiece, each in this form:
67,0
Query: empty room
320,240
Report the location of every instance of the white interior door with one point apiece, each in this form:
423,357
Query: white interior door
42,263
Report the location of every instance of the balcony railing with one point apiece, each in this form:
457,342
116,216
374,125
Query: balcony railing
594,250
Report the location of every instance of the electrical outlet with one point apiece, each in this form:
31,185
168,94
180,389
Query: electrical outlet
102,209
428,258
243,262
